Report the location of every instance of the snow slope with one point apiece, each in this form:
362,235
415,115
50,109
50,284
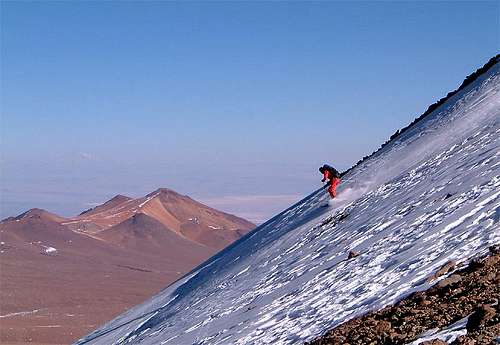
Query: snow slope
430,195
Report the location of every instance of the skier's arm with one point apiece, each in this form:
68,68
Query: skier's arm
325,176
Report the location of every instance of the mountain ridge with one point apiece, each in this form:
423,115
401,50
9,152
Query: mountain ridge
88,257
467,81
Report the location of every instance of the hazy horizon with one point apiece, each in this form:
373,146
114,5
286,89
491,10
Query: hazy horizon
233,104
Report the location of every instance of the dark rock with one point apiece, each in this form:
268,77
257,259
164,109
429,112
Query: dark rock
450,281
464,340
383,327
476,264
495,249
492,260
447,196
434,342
425,302
343,216
446,268
352,254
480,317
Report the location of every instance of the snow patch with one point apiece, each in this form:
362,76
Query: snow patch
448,334
20,313
49,250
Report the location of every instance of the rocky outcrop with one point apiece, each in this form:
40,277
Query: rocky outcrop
446,268
434,342
472,291
352,254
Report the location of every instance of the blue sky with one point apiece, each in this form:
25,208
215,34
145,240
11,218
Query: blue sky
235,104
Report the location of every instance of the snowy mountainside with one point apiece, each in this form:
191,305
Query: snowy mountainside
429,196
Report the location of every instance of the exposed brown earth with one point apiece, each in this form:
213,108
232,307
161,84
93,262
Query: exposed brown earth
472,291
180,214
61,278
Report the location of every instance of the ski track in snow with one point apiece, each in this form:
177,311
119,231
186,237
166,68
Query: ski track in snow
430,196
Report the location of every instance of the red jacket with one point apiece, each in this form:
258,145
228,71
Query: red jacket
327,176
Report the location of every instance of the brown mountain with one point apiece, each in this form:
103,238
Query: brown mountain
178,213
59,276
145,234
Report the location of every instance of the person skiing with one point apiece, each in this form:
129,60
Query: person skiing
331,174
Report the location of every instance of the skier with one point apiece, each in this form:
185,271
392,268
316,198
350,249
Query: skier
331,174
